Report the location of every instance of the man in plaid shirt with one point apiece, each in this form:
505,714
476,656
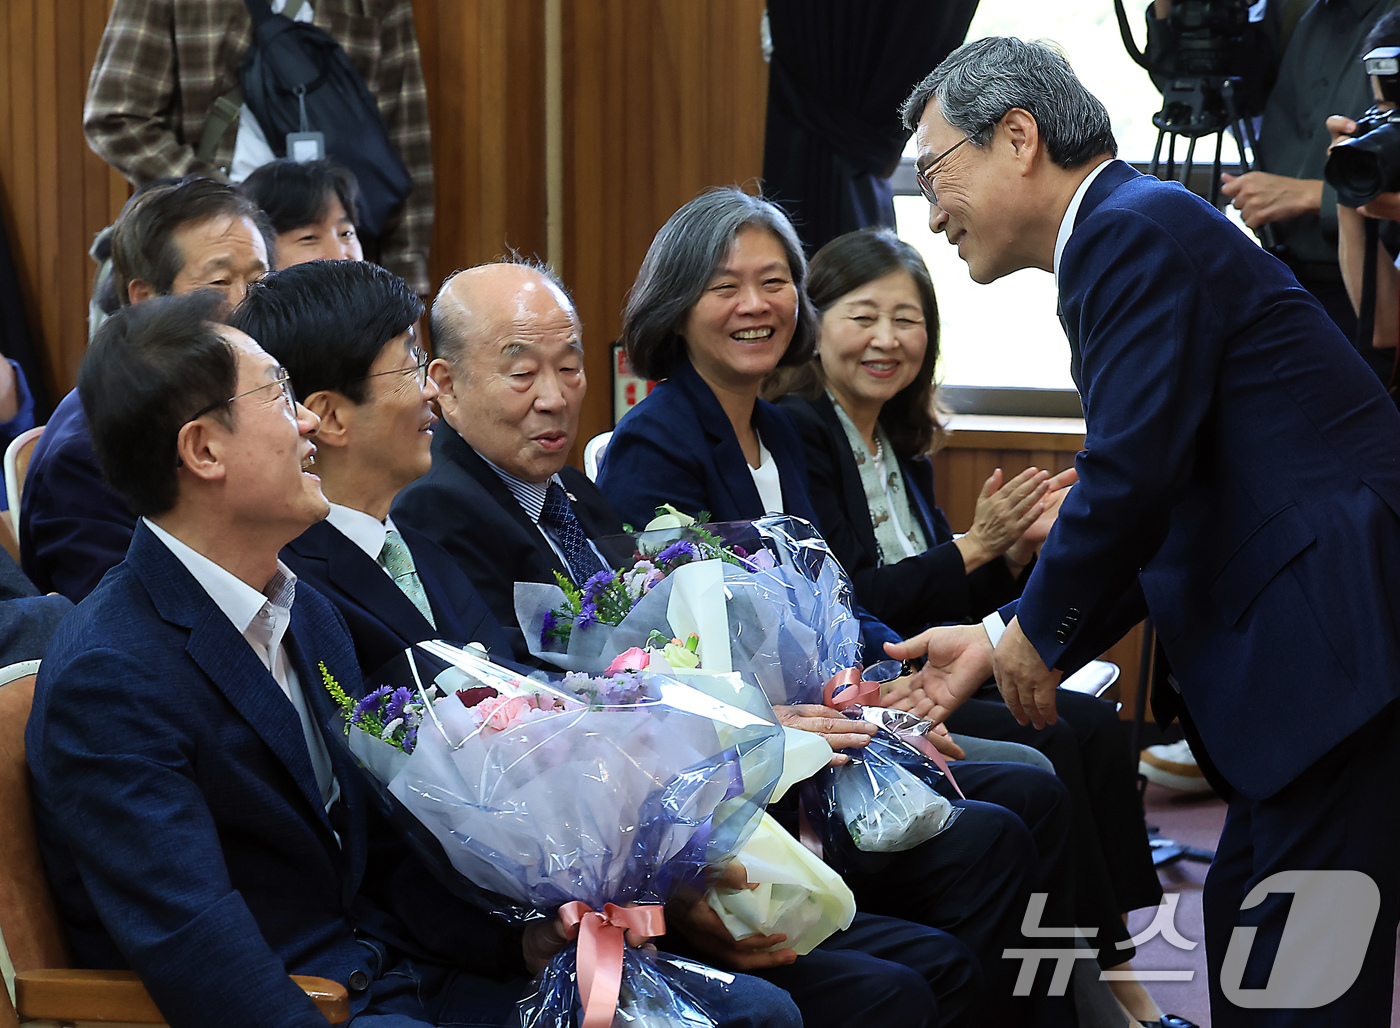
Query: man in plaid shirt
162,65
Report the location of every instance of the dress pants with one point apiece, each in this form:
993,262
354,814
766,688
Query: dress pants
1340,814
1112,860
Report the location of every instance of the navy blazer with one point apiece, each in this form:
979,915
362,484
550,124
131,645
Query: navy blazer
1240,481
383,621
911,593
462,505
73,527
180,820
678,447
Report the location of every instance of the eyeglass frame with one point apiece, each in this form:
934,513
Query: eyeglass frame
921,175
420,366
283,379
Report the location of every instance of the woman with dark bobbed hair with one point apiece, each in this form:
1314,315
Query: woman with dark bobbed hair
864,406
718,304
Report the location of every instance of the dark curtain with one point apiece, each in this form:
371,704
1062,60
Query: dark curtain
16,341
840,70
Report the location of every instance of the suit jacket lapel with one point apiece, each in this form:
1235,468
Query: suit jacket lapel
359,577
852,488
734,475
226,658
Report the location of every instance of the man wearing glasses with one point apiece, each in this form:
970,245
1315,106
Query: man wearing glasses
344,331
1239,483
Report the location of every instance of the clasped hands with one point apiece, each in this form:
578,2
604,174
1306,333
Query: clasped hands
958,660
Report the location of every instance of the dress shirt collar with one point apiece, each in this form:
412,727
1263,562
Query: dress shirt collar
239,601
529,495
364,530
1072,212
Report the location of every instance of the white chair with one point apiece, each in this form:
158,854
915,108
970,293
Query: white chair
1093,679
17,456
593,454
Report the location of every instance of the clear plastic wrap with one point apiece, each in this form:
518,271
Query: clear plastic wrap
586,794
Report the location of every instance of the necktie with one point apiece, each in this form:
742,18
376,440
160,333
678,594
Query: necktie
559,518
395,559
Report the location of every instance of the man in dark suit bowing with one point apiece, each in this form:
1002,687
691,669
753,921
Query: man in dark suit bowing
344,332
195,823
501,497
1239,482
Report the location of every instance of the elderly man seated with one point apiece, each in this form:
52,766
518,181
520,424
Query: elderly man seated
501,499
194,234
344,332
195,824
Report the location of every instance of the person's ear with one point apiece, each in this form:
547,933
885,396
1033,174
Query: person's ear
1023,133
138,290
199,449
337,414
445,378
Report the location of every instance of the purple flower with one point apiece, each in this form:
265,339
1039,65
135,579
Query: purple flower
398,699
410,739
370,704
547,628
588,614
676,551
598,583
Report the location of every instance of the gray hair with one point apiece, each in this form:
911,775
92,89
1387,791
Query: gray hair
679,265
980,81
453,327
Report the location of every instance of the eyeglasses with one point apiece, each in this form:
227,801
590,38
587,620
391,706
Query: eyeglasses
921,175
283,379
419,369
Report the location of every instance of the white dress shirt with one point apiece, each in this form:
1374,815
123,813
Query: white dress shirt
262,619
768,482
530,496
1072,212
364,530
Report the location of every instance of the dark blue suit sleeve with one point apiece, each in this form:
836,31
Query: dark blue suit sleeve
1150,339
119,781
643,469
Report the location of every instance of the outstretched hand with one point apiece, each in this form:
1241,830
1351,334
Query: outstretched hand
1026,684
959,659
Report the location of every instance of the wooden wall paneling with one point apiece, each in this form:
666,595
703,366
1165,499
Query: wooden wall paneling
661,100
22,195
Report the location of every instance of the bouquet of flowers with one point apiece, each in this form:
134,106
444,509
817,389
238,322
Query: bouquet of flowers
591,797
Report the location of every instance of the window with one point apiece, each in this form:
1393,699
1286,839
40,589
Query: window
1002,341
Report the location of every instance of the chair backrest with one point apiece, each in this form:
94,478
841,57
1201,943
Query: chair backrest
593,454
17,456
28,920
1093,679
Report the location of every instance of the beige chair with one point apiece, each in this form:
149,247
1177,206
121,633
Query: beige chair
17,456
44,988
593,454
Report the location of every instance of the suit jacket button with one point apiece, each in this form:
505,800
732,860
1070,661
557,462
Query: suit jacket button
359,981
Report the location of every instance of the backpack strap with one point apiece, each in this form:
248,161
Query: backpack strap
222,114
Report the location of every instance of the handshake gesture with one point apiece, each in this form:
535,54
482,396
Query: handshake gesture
960,658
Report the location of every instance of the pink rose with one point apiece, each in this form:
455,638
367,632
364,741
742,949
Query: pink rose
634,659
500,712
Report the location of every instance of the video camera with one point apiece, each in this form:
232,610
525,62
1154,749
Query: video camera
1368,164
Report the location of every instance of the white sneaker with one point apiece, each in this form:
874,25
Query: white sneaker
1173,766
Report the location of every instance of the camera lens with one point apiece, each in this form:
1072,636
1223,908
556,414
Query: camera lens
1362,168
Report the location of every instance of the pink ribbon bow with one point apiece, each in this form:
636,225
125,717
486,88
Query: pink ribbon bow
847,687
924,745
602,937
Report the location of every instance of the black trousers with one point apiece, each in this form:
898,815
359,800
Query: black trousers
975,879
1311,936
1111,858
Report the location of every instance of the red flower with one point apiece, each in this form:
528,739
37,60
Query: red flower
471,697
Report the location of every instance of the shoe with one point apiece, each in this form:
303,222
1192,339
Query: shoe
1173,766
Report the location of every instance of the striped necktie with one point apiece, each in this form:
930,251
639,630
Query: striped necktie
395,559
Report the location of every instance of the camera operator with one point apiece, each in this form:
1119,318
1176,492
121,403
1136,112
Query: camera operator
1351,221
1317,75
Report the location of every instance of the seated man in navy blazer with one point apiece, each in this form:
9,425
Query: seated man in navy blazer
344,332
195,824
501,497
194,234
1239,483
